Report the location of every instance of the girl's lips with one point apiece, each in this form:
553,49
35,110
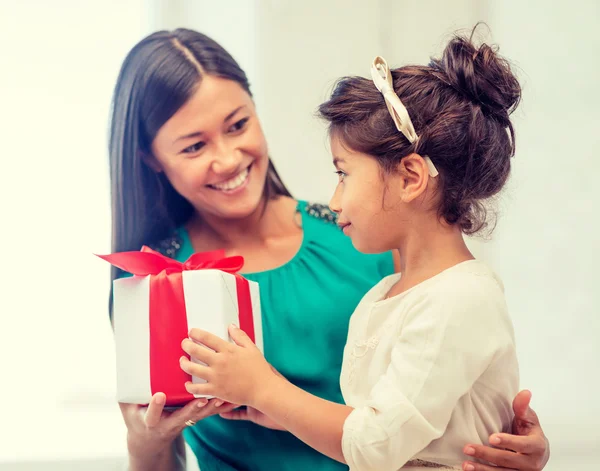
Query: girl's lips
344,226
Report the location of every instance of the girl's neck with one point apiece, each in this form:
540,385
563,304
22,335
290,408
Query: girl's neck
427,251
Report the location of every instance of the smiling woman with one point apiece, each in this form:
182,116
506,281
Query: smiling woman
182,161
218,161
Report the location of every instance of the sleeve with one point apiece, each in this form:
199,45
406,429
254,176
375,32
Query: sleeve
443,347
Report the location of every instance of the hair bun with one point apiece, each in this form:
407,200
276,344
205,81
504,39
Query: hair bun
481,75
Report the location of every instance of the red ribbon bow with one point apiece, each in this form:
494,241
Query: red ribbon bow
168,318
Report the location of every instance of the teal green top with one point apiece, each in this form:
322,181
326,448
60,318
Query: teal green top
306,306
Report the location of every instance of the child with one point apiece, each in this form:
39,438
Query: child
430,358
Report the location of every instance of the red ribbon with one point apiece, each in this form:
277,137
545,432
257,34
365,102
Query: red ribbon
168,318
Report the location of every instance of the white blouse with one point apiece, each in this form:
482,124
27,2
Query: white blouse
428,371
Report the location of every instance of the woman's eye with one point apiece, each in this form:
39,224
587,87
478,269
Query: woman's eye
239,125
194,148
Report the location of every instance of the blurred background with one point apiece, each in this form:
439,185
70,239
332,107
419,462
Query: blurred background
58,63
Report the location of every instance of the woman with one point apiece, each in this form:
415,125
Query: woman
190,172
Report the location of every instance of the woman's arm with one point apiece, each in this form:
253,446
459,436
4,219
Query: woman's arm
173,458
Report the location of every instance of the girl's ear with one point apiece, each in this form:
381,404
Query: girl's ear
414,177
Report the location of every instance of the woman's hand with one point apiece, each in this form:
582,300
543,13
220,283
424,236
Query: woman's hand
151,430
527,450
251,414
235,372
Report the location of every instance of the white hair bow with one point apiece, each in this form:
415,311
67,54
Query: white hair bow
382,78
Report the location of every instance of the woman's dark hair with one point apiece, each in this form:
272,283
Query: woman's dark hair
459,105
158,77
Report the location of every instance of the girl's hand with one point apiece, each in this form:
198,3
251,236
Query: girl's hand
235,372
527,450
254,415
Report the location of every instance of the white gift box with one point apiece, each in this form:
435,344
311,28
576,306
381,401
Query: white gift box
211,304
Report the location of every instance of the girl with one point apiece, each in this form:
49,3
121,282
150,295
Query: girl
190,171
430,359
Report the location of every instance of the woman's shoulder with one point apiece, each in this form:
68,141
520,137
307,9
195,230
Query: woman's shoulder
318,211
171,245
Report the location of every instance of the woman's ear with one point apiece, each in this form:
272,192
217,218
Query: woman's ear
151,162
414,175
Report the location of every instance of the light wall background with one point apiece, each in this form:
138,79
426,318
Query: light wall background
59,61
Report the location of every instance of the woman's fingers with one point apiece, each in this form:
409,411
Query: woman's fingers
528,444
470,466
240,414
155,409
156,420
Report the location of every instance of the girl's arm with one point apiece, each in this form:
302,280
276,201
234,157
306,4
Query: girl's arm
317,422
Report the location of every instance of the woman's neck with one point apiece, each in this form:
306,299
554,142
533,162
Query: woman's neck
271,218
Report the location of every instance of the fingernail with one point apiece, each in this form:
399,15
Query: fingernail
181,358
219,403
234,326
469,451
495,440
469,467
160,400
201,403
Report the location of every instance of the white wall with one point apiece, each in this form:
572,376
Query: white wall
59,63
544,244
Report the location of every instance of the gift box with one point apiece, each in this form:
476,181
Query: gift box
154,310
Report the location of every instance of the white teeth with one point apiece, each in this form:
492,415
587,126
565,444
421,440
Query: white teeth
234,182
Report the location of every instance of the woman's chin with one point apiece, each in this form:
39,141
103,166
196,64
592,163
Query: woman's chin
240,205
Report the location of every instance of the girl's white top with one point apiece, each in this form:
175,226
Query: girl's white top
428,371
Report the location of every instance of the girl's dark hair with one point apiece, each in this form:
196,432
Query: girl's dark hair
460,107
158,76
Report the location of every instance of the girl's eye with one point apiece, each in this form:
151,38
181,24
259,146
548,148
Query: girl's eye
239,125
194,148
341,175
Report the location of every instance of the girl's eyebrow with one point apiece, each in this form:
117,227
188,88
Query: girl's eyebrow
338,160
